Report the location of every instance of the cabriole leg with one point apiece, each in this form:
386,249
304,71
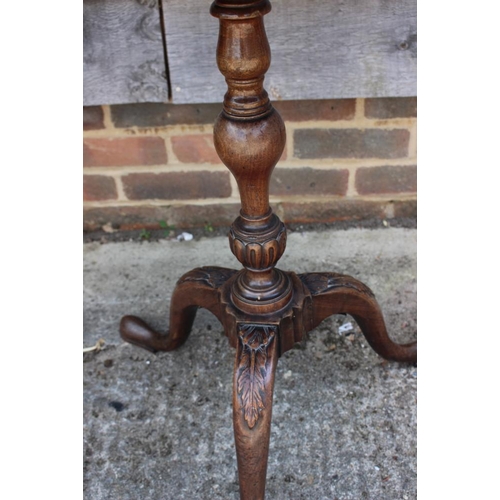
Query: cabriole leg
197,288
334,293
254,369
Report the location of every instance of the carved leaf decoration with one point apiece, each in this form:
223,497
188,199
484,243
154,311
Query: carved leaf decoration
214,277
251,383
322,282
255,340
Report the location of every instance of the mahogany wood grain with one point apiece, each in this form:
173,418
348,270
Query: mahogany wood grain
197,288
334,293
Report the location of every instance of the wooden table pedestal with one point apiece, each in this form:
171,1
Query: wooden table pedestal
264,310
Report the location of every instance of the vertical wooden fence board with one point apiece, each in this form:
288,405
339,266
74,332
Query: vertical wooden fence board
123,57
320,48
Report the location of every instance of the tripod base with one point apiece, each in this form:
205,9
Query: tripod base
260,339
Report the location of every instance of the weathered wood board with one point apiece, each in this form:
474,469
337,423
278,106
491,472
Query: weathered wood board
123,57
320,48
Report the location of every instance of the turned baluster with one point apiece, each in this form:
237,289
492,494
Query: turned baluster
249,136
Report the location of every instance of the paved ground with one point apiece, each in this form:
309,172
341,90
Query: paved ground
159,426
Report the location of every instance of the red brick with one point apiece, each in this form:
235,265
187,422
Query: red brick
222,214
405,208
199,148
159,114
177,185
148,217
387,179
124,151
339,209
309,181
195,148
218,215
351,143
99,188
324,109
391,107
93,118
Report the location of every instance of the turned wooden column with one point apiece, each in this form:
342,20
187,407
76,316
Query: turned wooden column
249,137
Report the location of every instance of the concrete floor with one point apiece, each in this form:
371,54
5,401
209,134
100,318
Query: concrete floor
159,426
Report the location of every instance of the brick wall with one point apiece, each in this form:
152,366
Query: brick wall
346,159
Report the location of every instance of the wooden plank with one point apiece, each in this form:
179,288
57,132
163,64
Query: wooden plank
320,48
123,58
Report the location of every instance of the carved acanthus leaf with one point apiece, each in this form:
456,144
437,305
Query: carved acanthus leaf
318,283
253,367
214,277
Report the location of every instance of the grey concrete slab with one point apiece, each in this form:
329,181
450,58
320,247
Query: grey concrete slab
159,426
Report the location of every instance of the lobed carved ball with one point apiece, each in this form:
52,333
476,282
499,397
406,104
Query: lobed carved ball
258,253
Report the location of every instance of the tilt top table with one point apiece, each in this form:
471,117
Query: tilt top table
264,310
